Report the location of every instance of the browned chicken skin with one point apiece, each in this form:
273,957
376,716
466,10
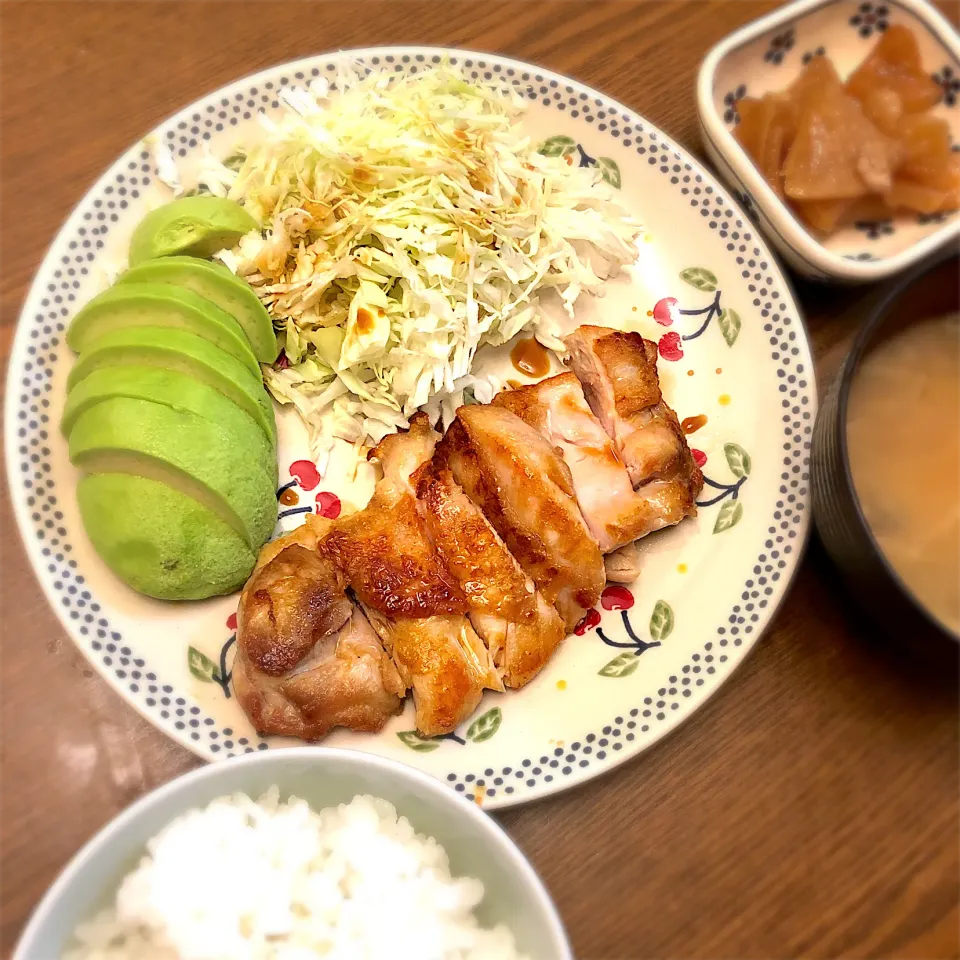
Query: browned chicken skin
307,661
521,630
475,556
525,490
619,376
413,602
557,410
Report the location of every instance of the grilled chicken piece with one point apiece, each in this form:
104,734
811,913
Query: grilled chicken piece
477,536
557,409
307,661
521,630
525,490
623,565
413,602
619,376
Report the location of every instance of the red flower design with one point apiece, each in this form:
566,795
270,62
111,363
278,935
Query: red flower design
699,457
306,473
663,311
328,505
590,620
616,598
669,346
232,622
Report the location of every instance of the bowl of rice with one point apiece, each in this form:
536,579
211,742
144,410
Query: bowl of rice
293,855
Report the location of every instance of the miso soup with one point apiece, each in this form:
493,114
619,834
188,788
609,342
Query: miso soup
903,431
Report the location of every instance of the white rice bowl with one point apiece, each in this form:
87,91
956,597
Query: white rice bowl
271,880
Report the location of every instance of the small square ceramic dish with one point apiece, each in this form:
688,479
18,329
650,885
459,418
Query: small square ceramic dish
767,55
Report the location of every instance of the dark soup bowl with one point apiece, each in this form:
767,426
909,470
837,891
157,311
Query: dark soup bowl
872,577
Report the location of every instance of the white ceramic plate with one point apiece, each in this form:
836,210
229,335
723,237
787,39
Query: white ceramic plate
651,655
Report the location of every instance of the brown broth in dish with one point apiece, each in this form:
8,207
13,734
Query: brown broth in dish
903,433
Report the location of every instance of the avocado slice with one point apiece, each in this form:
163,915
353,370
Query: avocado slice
199,226
186,353
159,541
210,462
172,389
216,283
159,305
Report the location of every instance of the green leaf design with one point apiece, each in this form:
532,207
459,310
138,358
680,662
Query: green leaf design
483,728
414,741
201,666
729,516
737,459
621,666
235,161
469,396
558,146
729,321
699,277
661,621
609,171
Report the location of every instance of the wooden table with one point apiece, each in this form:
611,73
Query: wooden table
809,809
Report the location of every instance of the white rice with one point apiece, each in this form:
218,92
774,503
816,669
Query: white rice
276,881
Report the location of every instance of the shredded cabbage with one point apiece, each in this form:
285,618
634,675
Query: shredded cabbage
408,221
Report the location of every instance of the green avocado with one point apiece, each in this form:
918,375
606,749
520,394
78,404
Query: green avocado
199,226
216,283
185,353
159,305
210,462
178,391
160,542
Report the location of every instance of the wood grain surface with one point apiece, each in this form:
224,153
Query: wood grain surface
809,809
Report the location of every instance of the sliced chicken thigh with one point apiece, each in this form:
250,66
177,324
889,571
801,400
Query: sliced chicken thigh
526,492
